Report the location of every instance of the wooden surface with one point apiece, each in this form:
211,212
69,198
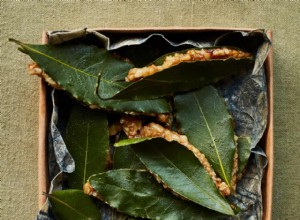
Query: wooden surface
25,20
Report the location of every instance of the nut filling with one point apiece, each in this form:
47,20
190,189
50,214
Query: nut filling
155,130
89,190
190,56
234,170
35,69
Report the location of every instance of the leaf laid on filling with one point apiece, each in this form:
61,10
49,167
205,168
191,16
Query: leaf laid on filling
76,68
73,204
176,72
124,157
87,140
204,119
136,193
181,172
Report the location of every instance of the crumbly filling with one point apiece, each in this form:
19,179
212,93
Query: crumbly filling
189,56
35,69
156,130
163,118
234,170
131,126
89,190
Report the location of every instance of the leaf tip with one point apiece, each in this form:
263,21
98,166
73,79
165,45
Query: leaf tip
14,40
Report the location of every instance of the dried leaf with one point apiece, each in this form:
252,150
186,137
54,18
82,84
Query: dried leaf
183,76
124,157
244,151
76,68
87,140
203,117
181,172
136,193
73,204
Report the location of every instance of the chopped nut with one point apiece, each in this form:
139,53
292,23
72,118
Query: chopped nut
163,118
234,170
224,189
35,69
89,190
131,126
189,56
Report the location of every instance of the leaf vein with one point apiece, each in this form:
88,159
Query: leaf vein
213,140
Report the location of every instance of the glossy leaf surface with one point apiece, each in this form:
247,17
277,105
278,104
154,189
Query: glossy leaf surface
73,204
76,68
181,171
87,140
124,157
182,77
204,119
138,194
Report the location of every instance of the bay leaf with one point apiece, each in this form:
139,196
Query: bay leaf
124,157
73,204
135,192
76,68
244,151
203,117
181,77
87,140
181,172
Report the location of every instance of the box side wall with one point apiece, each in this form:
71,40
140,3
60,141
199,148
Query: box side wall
43,182
268,140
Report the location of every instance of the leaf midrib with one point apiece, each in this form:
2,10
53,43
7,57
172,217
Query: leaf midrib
214,143
69,66
68,206
56,60
199,188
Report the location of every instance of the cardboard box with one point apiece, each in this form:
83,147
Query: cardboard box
266,141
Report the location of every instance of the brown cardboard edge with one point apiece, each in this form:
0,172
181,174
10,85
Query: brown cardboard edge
43,181
169,29
267,186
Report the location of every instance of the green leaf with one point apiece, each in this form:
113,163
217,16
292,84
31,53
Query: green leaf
124,157
182,77
73,204
203,117
76,68
87,140
136,193
244,151
126,142
181,171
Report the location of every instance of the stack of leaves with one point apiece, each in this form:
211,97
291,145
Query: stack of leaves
175,154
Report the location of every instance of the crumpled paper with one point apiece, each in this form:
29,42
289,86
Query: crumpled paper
245,95
248,191
57,183
64,159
